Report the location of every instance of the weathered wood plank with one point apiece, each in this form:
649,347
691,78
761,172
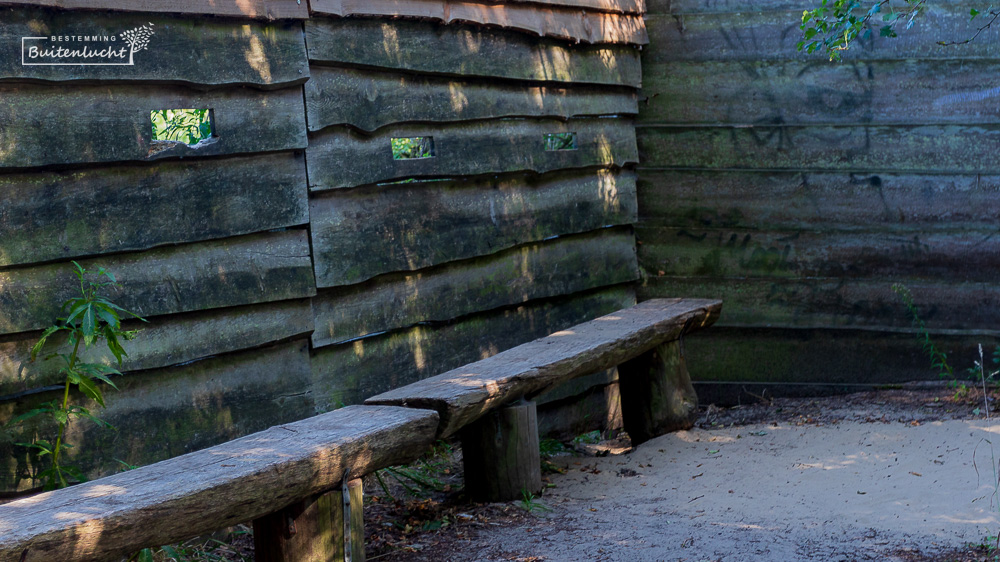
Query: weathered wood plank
83,124
163,341
850,93
211,489
349,373
354,238
370,99
625,6
549,269
772,36
261,9
501,460
868,304
51,216
761,355
598,409
463,395
245,270
467,51
182,50
460,149
678,7
959,255
562,23
818,202
936,148
167,412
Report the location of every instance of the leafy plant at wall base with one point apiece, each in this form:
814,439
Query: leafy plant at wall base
90,318
939,360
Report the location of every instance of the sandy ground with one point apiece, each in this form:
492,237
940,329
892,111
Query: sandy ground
838,479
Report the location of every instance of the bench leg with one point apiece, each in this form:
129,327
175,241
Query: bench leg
500,454
313,530
656,393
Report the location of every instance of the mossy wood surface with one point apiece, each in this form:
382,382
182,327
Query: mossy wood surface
261,9
45,125
832,302
369,99
463,395
354,239
208,490
818,202
195,406
194,50
161,342
430,48
235,271
536,271
57,216
624,6
562,23
348,373
805,91
465,149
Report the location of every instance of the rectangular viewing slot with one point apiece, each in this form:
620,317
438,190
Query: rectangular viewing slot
560,141
189,126
411,148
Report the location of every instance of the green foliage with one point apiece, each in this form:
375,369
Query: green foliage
939,360
189,126
406,148
421,477
834,25
530,503
90,318
560,141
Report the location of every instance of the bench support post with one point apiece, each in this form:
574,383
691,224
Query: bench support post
314,530
500,454
656,393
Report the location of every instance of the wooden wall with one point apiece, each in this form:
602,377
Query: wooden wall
798,190
293,266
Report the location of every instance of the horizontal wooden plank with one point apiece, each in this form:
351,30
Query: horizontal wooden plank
552,21
427,47
945,306
624,6
490,147
50,216
463,395
163,413
883,149
182,50
820,356
163,341
549,269
231,272
370,99
680,7
349,373
959,255
758,36
354,238
84,124
851,93
818,202
261,9
212,489
597,410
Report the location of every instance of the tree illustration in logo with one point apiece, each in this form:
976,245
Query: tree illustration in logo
137,39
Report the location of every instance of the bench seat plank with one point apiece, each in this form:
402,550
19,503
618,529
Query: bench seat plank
213,488
462,395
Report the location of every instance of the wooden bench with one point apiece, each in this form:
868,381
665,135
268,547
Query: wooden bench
299,482
644,341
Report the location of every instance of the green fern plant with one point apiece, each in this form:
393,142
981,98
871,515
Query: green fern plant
90,319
